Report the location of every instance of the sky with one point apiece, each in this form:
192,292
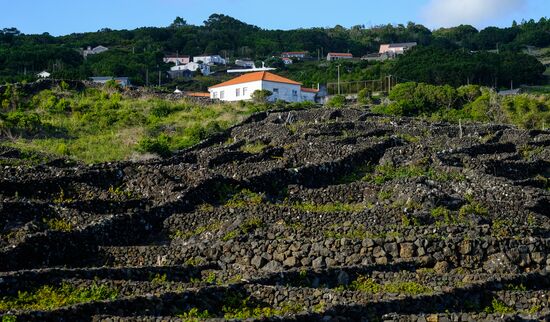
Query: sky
61,17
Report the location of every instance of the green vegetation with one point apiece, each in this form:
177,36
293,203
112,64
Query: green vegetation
369,285
194,315
245,198
388,172
132,52
102,125
159,279
444,216
58,224
499,307
467,103
243,229
329,207
49,297
9,318
254,147
178,234
337,101
472,208
237,307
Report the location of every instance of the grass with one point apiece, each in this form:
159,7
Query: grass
246,227
99,125
48,298
499,307
388,172
178,234
240,308
195,315
244,198
256,147
58,224
369,285
329,207
159,279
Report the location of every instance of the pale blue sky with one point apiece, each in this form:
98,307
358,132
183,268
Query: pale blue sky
67,16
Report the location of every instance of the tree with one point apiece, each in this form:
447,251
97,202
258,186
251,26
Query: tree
178,22
261,96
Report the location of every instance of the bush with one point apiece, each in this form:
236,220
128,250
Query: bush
337,101
261,96
364,96
159,145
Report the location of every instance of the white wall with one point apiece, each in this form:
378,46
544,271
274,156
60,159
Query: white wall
285,92
230,92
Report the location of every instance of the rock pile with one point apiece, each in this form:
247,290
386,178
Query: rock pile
303,215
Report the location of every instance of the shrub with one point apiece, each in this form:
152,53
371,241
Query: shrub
337,101
261,96
159,145
364,96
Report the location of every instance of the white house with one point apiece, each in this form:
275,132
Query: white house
122,81
396,49
192,66
43,74
246,63
295,54
177,60
210,59
287,61
93,51
242,87
338,56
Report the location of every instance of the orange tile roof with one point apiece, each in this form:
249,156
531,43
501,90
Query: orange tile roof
310,90
341,54
257,76
198,94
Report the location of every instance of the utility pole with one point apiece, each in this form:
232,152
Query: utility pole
147,77
339,80
512,84
159,78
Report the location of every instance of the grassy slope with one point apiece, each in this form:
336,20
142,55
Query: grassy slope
99,127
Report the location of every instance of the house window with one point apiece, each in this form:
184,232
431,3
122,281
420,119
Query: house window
238,92
294,93
222,95
245,89
275,91
215,95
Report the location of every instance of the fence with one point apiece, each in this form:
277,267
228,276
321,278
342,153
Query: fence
349,88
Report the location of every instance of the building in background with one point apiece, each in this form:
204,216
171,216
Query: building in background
300,55
191,67
121,81
176,60
393,50
43,74
210,60
94,51
338,56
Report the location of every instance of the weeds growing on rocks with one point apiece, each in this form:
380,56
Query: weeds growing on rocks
50,297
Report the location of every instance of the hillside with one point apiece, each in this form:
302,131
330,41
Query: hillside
138,53
295,215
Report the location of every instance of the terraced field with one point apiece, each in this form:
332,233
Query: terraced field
306,215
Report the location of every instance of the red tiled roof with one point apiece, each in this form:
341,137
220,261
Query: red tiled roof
257,76
341,54
198,94
294,53
310,90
